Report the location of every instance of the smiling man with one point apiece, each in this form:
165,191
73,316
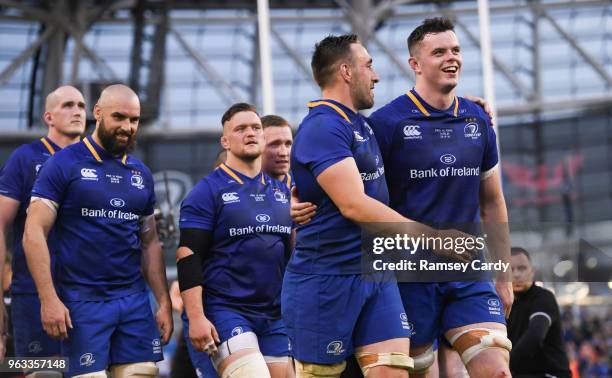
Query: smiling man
441,163
331,311
100,201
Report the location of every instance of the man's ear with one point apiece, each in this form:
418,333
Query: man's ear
97,112
48,118
414,64
345,72
224,142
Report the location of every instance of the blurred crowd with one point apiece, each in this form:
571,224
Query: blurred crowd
588,340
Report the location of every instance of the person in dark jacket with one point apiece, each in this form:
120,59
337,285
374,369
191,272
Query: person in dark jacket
534,326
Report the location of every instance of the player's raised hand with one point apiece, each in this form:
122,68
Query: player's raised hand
55,318
164,322
504,290
203,335
301,212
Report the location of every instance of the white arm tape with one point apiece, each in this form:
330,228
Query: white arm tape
486,174
51,204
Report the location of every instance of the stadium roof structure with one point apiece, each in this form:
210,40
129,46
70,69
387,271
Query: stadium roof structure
189,60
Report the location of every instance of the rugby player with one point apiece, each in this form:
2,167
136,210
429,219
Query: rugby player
100,201
421,133
65,118
330,310
235,240
277,152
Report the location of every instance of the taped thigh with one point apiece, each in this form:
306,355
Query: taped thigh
398,360
470,342
308,370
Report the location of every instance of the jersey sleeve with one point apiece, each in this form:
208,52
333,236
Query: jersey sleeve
198,208
545,306
383,131
12,177
150,207
53,177
490,157
328,142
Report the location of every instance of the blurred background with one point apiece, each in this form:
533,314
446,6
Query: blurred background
551,64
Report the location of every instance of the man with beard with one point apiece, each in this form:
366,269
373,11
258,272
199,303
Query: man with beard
100,201
235,234
65,117
276,154
330,310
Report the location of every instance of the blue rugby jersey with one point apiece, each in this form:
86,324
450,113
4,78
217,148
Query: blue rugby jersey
331,132
16,180
435,159
251,229
101,201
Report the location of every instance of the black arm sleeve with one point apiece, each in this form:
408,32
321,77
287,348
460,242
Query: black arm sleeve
531,340
189,268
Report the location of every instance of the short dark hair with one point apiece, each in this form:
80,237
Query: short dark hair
327,53
237,108
518,250
273,120
429,26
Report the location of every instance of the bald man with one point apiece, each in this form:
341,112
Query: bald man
100,201
65,117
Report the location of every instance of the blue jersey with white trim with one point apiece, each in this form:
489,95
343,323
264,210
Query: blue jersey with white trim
101,201
435,159
16,180
251,232
331,132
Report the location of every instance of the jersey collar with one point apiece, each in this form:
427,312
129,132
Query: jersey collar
239,177
49,145
287,180
98,152
339,108
427,109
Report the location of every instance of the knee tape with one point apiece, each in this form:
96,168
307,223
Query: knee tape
308,370
423,361
246,340
392,359
470,342
135,370
251,365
